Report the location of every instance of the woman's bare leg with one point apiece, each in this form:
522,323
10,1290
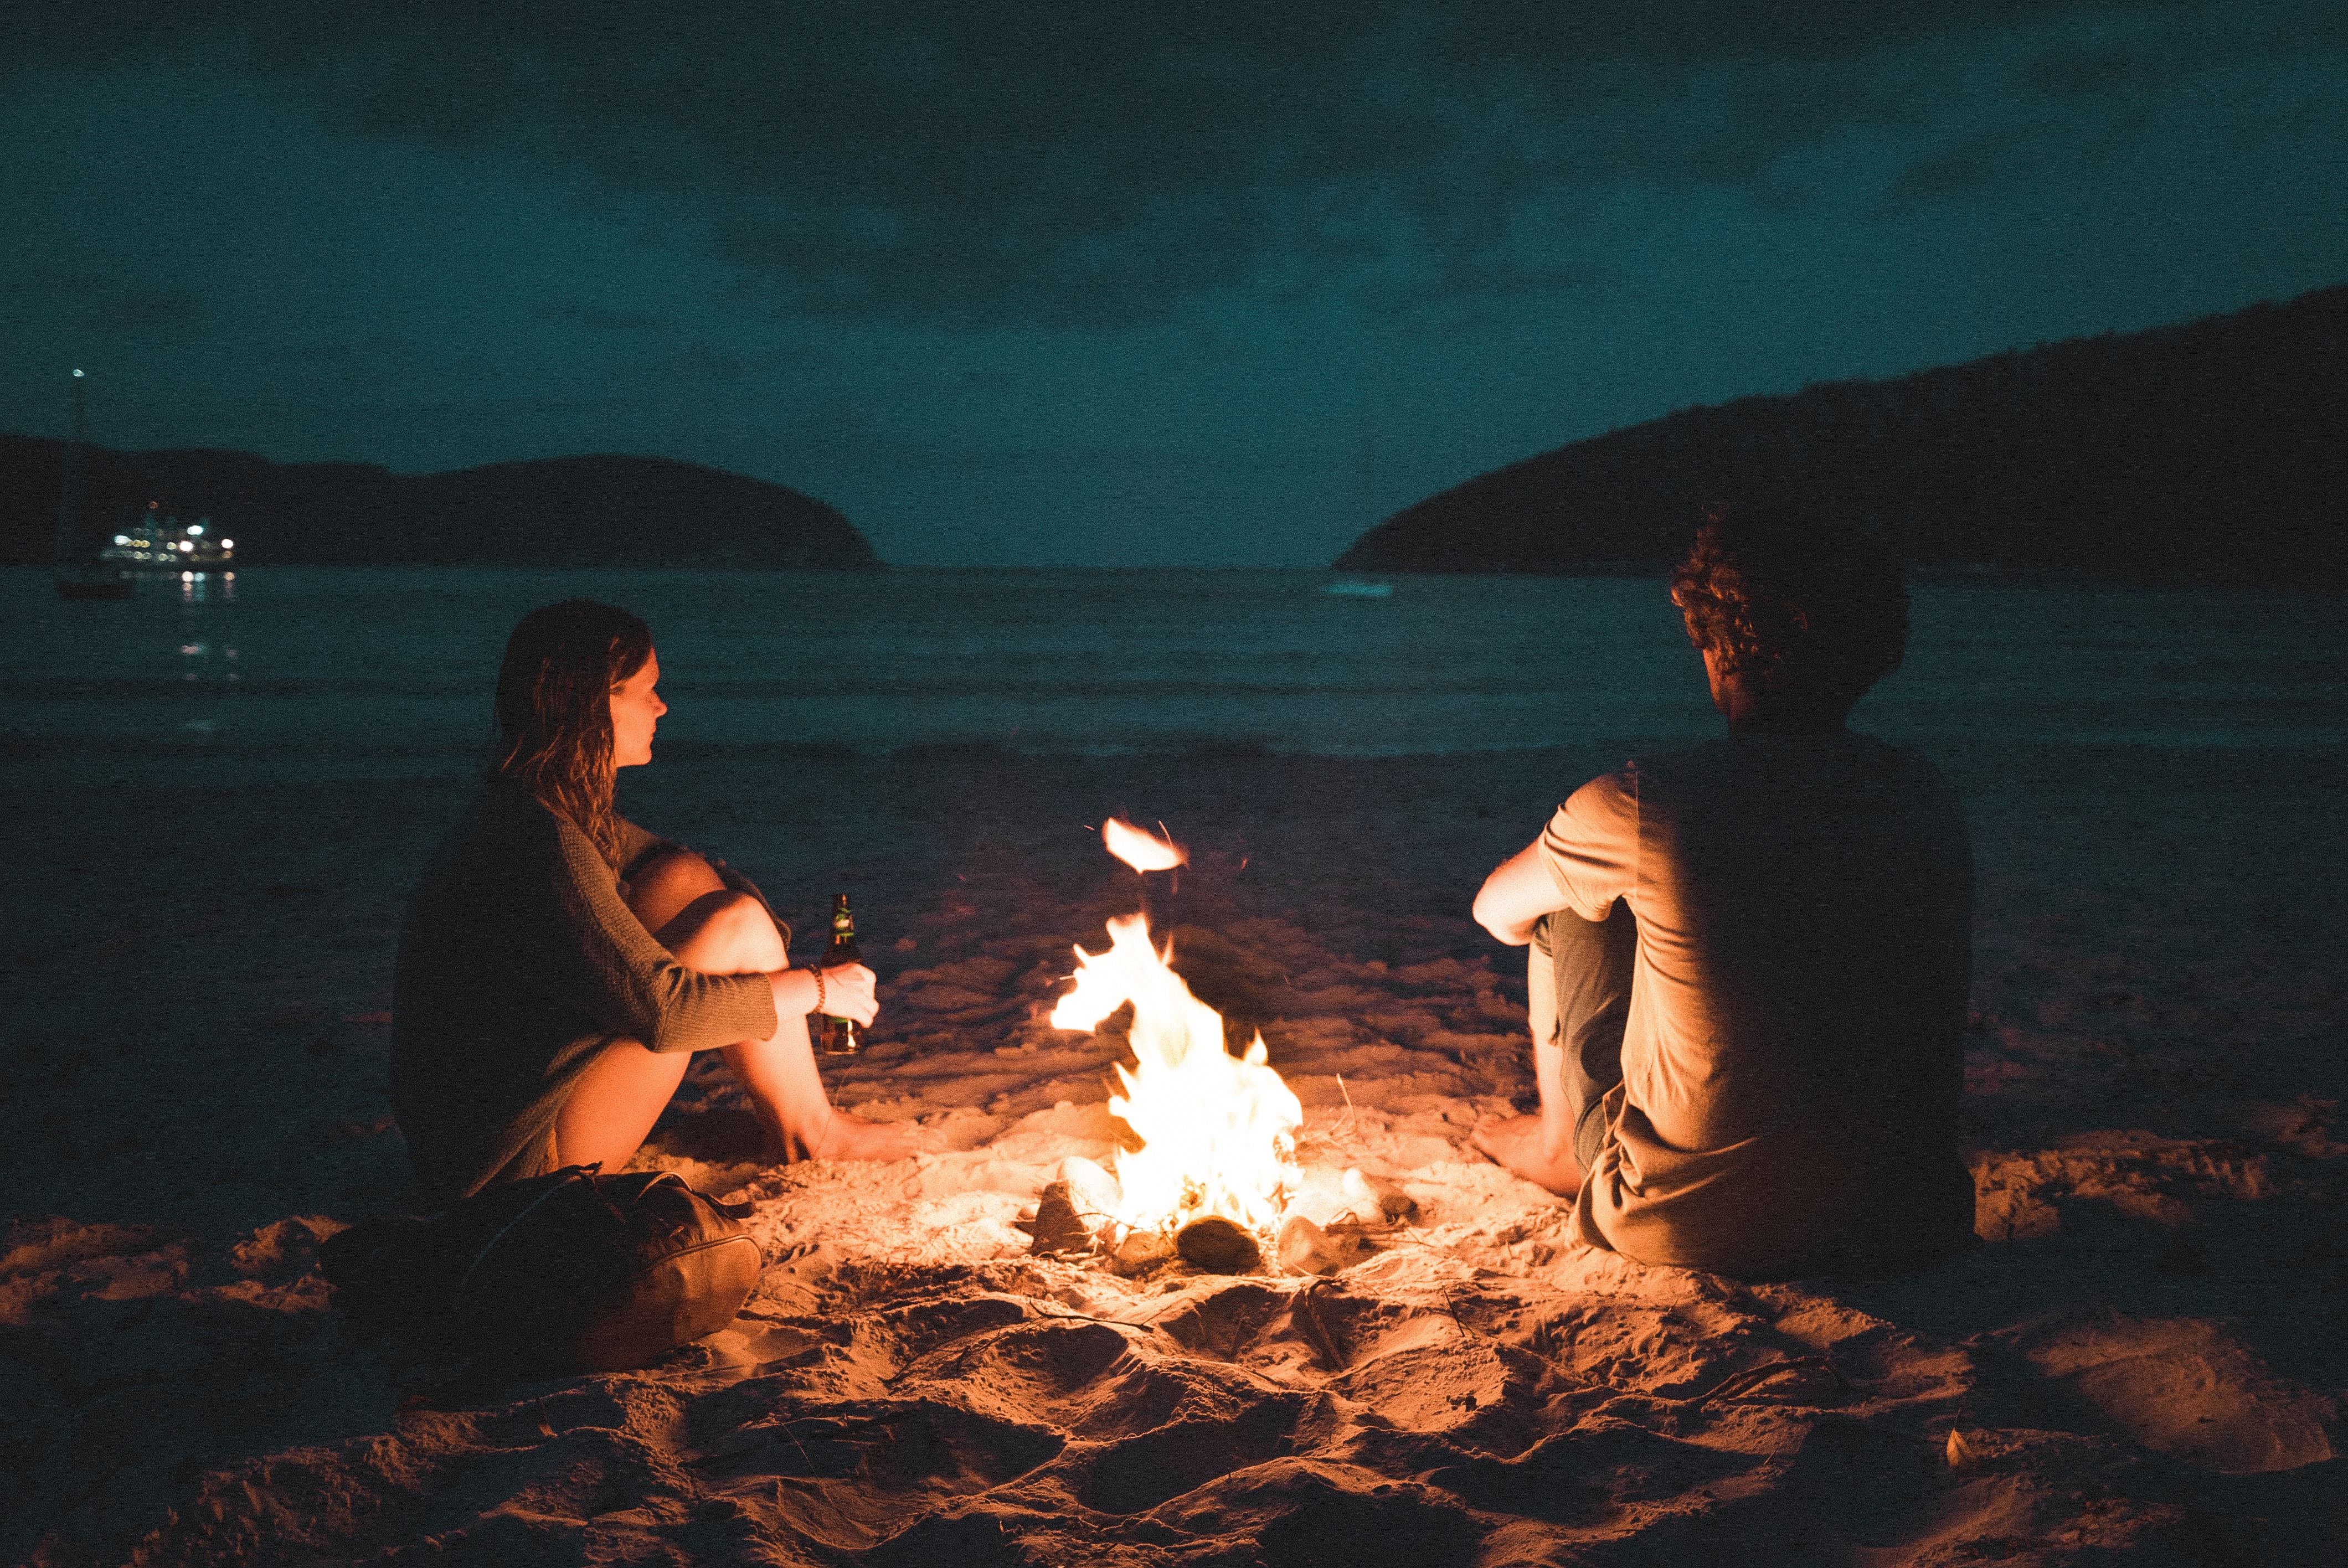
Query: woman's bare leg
612,1108
786,1091
707,927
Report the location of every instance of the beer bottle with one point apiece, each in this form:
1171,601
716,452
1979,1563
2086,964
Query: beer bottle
837,1036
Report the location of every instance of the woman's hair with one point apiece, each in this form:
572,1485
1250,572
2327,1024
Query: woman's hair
554,710
1803,609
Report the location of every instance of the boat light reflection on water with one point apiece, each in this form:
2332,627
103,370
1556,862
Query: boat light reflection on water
196,587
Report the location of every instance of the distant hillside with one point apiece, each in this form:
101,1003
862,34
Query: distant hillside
556,511
2216,452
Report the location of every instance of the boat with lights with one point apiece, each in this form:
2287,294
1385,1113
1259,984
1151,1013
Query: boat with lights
159,544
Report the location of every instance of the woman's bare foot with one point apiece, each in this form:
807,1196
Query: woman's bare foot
1527,1146
846,1137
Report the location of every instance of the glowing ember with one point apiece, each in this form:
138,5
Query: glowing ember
1218,1132
1140,850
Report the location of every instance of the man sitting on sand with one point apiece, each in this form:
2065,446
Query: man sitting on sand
1750,958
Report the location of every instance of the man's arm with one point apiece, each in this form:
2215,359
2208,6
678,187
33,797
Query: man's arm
1515,895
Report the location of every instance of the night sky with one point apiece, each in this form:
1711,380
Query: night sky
1111,284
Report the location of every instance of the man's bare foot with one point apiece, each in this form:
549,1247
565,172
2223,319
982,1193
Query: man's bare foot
846,1137
1525,1145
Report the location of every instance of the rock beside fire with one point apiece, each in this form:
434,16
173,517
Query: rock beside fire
1330,1226
1139,1251
1350,1199
1375,1198
1075,1214
1216,1246
1305,1247
1057,1227
1096,1194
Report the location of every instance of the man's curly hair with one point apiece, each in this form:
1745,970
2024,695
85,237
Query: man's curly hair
1801,608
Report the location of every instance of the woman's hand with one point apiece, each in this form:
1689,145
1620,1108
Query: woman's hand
848,992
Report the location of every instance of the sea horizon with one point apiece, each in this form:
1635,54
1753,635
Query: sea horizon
368,665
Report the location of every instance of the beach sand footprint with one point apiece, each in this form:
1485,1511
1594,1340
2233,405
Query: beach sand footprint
2181,1386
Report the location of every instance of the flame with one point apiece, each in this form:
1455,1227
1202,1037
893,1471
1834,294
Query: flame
1142,851
1218,1132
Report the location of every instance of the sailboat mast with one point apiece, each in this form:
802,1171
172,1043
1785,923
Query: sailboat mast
68,496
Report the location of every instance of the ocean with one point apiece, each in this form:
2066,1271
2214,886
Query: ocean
322,671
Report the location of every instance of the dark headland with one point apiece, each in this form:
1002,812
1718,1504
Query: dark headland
2211,453
558,511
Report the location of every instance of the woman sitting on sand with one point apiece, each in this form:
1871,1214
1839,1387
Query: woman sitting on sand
559,964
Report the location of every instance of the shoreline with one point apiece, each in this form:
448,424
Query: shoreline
1987,574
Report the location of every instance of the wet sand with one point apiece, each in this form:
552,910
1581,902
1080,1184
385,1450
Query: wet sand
2142,1362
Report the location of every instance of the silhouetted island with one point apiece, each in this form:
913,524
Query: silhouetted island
558,511
2215,452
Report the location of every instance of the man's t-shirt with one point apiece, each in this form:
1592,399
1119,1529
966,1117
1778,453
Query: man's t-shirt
1795,1052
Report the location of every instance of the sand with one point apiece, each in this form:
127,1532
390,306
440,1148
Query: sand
2145,1362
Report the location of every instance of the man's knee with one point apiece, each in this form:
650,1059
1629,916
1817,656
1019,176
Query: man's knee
1579,947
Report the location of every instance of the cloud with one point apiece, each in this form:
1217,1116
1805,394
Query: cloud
699,362
2069,71
1086,165
572,312
113,302
73,285
1975,160
156,310
373,363
703,362
341,354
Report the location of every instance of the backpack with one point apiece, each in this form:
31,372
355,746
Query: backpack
571,1271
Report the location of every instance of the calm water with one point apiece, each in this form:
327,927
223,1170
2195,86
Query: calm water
369,669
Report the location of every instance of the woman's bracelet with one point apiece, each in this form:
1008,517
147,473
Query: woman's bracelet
818,989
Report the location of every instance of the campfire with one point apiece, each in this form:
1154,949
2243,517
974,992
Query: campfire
1216,1171
1218,1132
